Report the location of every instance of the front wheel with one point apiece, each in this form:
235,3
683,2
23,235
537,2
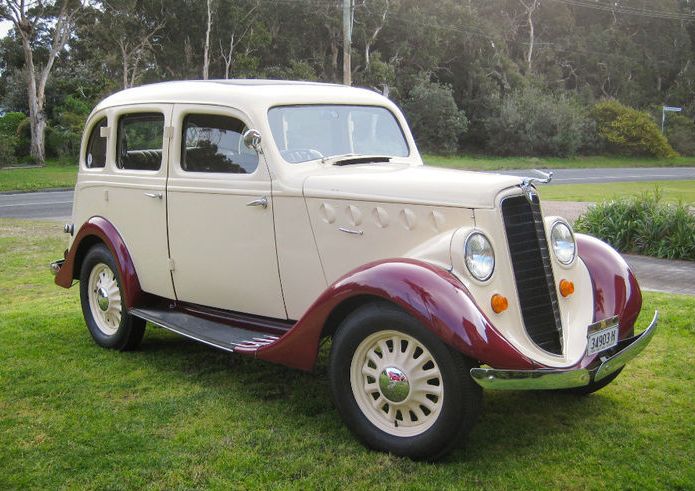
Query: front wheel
398,387
101,295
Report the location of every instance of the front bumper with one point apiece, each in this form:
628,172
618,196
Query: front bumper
56,265
626,350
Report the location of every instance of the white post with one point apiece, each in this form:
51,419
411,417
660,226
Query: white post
347,41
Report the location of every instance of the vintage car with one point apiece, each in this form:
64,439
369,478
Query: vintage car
259,217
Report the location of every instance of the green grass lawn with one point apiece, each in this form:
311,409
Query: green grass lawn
176,414
672,191
483,162
53,175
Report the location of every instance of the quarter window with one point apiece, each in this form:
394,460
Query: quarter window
140,139
96,146
213,143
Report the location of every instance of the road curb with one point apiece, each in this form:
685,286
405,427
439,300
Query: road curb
25,191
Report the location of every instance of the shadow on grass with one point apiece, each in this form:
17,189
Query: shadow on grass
512,424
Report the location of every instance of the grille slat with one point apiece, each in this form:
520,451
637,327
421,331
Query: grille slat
532,271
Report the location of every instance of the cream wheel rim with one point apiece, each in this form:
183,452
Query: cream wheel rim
105,299
397,383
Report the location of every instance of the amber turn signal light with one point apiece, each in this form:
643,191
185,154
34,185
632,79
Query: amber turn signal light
566,288
499,303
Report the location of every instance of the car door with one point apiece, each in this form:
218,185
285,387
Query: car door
134,200
220,216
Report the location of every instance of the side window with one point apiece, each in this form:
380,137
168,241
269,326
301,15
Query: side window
140,139
96,146
213,143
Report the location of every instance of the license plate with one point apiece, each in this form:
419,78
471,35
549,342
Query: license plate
602,336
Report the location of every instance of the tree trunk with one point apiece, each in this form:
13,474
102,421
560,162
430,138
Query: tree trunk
206,50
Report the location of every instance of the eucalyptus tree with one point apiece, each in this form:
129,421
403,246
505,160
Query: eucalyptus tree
40,25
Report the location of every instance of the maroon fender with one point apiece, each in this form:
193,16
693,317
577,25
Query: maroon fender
616,291
101,229
433,296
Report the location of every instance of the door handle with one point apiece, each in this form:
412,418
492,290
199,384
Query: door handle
154,195
262,201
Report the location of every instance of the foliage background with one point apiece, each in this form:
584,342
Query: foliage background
472,75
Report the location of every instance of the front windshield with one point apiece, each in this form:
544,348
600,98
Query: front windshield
304,133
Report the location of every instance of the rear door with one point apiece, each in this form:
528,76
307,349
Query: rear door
220,215
134,200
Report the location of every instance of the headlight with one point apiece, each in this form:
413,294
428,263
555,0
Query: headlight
480,258
564,246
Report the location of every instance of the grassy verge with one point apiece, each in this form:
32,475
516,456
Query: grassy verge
53,175
472,162
176,414
671,191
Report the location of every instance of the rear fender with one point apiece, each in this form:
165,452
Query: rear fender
432,295
98,229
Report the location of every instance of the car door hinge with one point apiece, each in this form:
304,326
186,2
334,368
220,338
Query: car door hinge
169,132
171,264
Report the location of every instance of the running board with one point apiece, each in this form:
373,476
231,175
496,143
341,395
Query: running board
216,334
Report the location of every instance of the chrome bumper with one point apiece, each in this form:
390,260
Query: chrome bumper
56,265
626,350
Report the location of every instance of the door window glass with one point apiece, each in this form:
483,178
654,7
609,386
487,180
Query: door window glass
213,143
140,139
96,147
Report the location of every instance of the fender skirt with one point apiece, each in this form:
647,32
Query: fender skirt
432,295
103,230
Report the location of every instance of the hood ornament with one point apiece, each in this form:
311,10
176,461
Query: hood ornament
527,184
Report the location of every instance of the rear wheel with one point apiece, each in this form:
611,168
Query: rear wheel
398,387
102,297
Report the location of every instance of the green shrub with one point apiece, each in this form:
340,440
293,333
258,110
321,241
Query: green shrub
533,122
13,126
8,144
434,117
643,225
680,131
626,130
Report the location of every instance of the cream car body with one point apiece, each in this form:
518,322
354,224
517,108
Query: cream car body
266,249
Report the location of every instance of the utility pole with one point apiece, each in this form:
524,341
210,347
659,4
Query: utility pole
347,41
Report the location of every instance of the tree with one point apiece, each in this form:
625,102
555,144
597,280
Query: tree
34,20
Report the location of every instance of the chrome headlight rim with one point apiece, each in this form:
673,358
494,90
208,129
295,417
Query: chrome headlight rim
573,240
471,235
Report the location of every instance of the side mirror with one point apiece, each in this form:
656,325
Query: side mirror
252,139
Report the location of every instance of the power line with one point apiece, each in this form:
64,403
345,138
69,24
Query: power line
625,9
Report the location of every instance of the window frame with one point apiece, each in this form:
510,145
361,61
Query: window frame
182,146
140,112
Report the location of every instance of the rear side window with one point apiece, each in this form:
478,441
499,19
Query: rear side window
140,139
96,146
213,143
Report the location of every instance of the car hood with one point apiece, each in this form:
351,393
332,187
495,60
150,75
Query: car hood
398,183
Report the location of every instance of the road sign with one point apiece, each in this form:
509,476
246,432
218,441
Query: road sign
668,109
673,109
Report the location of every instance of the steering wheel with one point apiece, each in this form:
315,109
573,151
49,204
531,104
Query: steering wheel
297,155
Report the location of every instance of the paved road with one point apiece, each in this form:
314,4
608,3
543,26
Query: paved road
591,176
54,205
58,205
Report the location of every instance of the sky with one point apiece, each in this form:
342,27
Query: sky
5,27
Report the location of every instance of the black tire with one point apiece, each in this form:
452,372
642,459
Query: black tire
103,325
449,424
594,386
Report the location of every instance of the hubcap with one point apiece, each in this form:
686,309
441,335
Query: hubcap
397,383
104,299
393,384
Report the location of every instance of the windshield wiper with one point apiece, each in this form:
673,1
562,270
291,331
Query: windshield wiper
351,159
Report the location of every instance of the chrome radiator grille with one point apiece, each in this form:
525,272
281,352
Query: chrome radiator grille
532,270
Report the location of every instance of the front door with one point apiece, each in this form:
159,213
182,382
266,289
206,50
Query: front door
220,215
